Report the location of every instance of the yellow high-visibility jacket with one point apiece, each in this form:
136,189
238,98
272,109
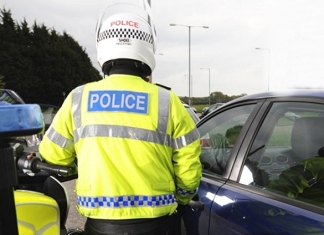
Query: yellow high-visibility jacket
137,148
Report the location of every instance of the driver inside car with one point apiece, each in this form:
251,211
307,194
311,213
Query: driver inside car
304,181
215,158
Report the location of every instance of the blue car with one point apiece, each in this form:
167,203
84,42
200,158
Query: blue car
263,166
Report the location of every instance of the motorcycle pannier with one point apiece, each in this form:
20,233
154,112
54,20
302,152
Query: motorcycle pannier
36,213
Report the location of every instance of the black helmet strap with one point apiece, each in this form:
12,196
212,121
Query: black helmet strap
126,66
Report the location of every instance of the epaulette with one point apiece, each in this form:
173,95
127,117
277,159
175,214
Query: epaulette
165,87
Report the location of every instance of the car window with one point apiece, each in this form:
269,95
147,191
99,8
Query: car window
287,155
218,136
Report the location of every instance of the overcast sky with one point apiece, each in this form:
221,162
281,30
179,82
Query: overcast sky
290,34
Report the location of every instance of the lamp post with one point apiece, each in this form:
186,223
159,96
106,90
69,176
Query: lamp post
189,27
209,84
267,49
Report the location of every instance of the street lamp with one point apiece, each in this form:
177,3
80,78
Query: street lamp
190,87
189,27
209,84
260,48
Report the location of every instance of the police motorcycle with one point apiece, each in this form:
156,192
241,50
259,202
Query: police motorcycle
33,200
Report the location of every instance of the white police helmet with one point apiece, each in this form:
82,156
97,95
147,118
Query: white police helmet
125,30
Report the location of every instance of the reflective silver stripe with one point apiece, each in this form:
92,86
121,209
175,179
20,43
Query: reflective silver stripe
123,132
186,139
76,105
60,140
164,110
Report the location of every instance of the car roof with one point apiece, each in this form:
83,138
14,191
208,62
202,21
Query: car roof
216,104
306,93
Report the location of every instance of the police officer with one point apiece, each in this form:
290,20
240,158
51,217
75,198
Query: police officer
136,146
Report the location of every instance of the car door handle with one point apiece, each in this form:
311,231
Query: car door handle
198,205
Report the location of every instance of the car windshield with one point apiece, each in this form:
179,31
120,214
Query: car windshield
10,97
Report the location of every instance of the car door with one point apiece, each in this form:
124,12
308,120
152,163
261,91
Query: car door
252,193
217,160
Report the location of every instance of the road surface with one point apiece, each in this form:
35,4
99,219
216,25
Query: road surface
74,220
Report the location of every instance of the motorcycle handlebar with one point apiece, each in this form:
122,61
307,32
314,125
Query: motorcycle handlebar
59,170
35,165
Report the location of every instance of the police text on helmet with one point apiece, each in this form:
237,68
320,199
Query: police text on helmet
124,22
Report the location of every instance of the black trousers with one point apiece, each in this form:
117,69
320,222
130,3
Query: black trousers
157,226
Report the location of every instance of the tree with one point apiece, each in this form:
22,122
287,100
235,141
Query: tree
2,84
39,63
